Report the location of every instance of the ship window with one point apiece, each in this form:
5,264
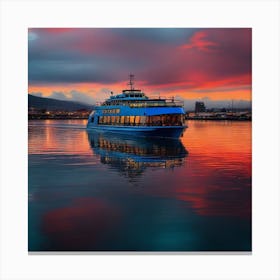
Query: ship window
148,120
126,119
174,119
137,120
155,120
131,120
142,120
122,119
117,119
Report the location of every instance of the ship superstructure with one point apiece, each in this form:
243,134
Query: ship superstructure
135,113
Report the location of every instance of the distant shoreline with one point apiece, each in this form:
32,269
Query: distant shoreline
219,119
57,118
187,119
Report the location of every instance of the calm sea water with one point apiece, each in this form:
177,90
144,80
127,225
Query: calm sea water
102,192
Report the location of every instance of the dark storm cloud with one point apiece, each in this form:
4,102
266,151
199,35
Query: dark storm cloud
196,58
172,36
97,55
68,71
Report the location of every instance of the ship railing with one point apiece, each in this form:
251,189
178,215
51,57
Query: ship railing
160,97
179,123
166,103
174,101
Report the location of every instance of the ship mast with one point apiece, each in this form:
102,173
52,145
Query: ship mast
131,82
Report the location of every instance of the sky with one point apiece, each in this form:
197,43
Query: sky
213,65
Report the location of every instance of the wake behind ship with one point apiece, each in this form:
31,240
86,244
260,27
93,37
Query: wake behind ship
132,112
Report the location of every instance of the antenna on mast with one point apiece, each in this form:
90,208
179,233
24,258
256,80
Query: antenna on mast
131,82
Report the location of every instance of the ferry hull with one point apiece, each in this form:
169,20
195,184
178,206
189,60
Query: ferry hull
142,131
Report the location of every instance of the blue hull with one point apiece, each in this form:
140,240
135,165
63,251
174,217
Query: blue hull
142,131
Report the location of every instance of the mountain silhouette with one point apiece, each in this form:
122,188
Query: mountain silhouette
50,104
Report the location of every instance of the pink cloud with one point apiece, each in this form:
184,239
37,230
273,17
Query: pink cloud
199,41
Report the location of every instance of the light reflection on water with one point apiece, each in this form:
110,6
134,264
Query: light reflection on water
90,192
132,156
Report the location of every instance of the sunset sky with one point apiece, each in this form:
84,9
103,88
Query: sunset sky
86,64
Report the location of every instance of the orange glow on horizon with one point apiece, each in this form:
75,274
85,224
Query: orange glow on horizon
101,91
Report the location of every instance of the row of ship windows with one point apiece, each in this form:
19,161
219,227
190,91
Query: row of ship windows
134,95
134,103
163,120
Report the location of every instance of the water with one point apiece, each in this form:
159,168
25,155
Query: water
94,192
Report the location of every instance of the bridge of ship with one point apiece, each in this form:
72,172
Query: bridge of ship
137,99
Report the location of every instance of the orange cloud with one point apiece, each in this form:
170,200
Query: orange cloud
101,91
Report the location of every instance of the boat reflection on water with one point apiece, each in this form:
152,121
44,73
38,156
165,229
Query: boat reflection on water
132,155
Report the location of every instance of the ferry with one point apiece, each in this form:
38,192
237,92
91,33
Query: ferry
132,112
